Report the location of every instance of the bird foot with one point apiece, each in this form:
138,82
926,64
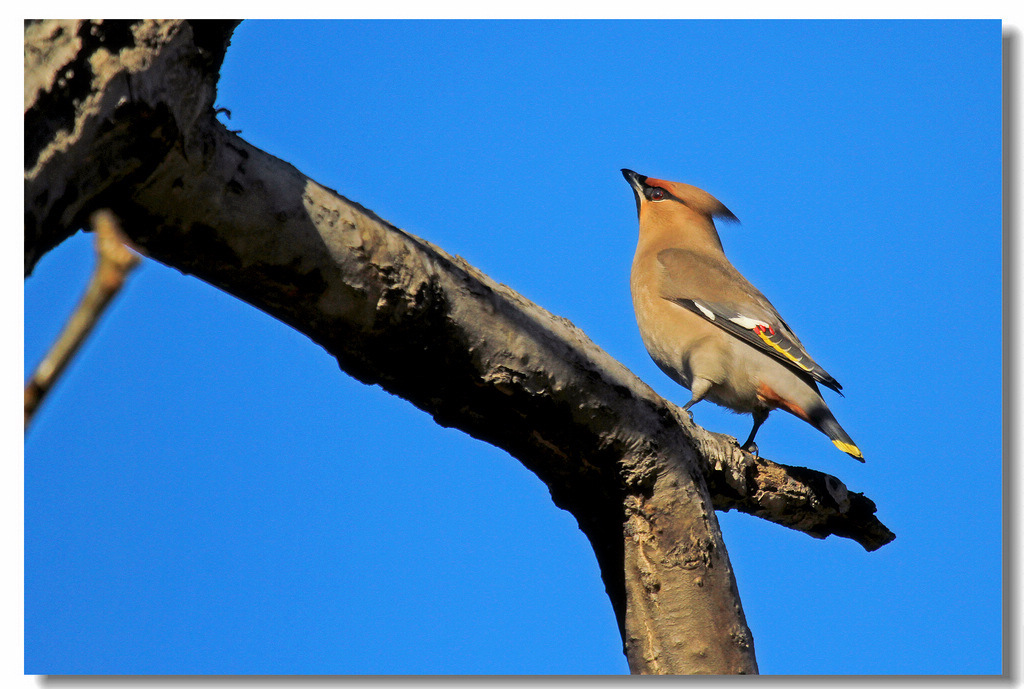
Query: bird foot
751,447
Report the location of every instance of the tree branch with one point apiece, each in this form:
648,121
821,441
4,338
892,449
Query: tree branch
816,503
114,262
399,312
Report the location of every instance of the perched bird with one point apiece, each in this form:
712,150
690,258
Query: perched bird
707,327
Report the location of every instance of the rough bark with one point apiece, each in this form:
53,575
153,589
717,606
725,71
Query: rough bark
140,137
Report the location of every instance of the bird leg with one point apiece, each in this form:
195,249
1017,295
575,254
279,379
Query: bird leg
699,388
760,416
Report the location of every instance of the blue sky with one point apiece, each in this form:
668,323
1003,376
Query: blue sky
205,491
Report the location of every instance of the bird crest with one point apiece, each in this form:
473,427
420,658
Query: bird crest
695,198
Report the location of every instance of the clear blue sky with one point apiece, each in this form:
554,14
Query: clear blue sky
205,491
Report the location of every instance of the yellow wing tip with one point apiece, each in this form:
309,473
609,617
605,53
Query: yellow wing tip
849,449
783,352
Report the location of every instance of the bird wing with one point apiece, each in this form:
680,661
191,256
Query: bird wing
713,289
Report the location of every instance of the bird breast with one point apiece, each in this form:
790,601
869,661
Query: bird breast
685,346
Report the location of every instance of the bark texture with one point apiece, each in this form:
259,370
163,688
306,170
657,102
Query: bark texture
139,136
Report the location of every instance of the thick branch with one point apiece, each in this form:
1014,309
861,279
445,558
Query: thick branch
399,312
806,500
96,119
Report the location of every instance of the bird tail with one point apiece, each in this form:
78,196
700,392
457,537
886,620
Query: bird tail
826,423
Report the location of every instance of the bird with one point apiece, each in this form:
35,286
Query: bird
707,327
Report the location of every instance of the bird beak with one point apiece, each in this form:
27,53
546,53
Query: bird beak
637,182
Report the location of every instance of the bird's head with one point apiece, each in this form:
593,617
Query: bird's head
661,200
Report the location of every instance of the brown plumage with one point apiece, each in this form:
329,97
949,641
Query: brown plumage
706,326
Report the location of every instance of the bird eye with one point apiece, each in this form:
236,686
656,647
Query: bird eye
657,194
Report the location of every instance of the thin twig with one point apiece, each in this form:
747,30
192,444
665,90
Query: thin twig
114,262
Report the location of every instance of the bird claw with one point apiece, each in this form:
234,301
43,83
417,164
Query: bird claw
751,447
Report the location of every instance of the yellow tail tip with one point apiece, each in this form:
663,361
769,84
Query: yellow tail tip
849,448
